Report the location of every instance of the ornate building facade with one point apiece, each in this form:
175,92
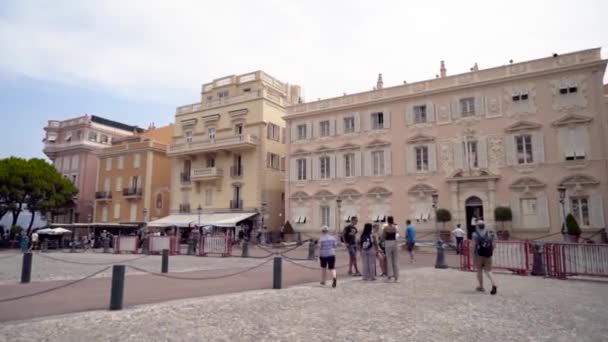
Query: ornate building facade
504,136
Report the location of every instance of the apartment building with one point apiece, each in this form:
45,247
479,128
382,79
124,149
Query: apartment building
73,146
134,178
503,136
229,153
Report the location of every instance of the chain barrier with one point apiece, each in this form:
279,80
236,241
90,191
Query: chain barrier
297,259
252,256
311,267
90,263
164,275
537,238
3,300
9,256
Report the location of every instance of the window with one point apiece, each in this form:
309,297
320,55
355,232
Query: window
238,129
209,98
104,139
75,162
324,163
419,114
524,149
325,216
467,106
117,211
104,213
349,165
210,162
378,163
301,168
120,162
247,90
273,161
282,163
529,211
159,201
211,132
580,210
109,164
324,128
349,124
222,94
570,88
118,184
92,136
301,132
422,158
188,136
378,120
106,184
574,143
208,197
470,152
520,96
136,160
135,182
273,132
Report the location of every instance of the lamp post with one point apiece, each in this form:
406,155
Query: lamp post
338,207
562,200
440,260
199,211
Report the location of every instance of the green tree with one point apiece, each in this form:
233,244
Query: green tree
443,216
572,226
288,229
14,175
503,214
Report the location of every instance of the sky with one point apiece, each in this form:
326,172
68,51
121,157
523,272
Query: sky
136,61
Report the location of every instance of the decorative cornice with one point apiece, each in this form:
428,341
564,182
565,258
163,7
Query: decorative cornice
578,180
421,188
420,138
526,183
377,143
571,119
522,126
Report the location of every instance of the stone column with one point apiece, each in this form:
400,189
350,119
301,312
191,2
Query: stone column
491,201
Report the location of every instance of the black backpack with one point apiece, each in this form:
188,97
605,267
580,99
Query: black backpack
366,244
485,246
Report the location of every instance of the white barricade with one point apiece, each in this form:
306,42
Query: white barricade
126,244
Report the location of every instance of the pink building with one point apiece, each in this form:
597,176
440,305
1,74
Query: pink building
73,146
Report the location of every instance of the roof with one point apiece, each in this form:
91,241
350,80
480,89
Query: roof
115,124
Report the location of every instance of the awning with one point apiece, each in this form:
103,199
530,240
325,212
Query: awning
175,220
225,219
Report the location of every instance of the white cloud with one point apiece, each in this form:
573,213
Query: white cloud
163,50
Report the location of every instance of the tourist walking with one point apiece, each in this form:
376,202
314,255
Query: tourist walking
410,239
458,234
34,241
484,248
368,244
380,251
327,256
389,235
350,239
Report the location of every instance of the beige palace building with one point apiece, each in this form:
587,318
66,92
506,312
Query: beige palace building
134,177
228,153
503,136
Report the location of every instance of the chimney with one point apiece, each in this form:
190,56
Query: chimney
379,84
442,70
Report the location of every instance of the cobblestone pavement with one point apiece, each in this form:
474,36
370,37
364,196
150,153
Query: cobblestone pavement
427,305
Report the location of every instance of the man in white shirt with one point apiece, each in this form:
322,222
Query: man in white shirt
459,234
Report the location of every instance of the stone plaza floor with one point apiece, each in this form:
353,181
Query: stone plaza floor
426,305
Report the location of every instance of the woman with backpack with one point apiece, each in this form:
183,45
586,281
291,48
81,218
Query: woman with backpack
368,244
389,235
380,251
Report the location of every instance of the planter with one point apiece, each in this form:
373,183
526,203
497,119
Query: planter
503,235
445,236
574,238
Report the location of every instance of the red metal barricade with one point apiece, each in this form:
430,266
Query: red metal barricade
510,255
576,259
156,244
215,244
128,244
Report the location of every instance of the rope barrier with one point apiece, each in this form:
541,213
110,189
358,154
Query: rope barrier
297,259
90,263
200,278
253,257
3,300
310,267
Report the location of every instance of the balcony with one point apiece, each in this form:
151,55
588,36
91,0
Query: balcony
206,174
236,204
202,145
131,192
184,208
236,171
185,177
103,195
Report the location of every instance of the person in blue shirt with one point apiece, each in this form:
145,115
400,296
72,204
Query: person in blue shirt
410,239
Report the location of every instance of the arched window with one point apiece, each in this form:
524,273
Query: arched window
159,201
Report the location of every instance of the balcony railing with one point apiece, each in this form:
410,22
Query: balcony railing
103,195
132,192
184,208
185,177
236,171
206,173
235,142
236,204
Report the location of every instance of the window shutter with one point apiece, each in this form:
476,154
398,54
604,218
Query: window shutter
316,168
293,171
596,211
569,142
339,125
282,164
139,182
366,122
104,213
430,112
268,160
368,164
332,126
480,105
309,166
510,149
357,122
482,152
283,135
293,132
268,131
538,147
516,222
409,115
580,140
542,209
358,165
432,157
387,162
458,155
334,166
410,160
316,130
455,107
118,184
340,165
387,119
309,129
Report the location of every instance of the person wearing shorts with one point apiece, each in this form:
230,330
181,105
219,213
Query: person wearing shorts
350,239
485,242
410,239
327,255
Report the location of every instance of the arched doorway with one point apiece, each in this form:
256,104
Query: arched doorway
474,209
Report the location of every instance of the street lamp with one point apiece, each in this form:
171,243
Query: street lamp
199,210
338,206
562,200
440,260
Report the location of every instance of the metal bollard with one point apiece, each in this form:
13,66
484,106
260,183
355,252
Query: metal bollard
299,239
538,264
311,249
191,246
165,261
245,249
26,268
440,261
277,273
118,287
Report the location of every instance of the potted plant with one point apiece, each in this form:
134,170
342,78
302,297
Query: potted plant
573,229
443,216
502,215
